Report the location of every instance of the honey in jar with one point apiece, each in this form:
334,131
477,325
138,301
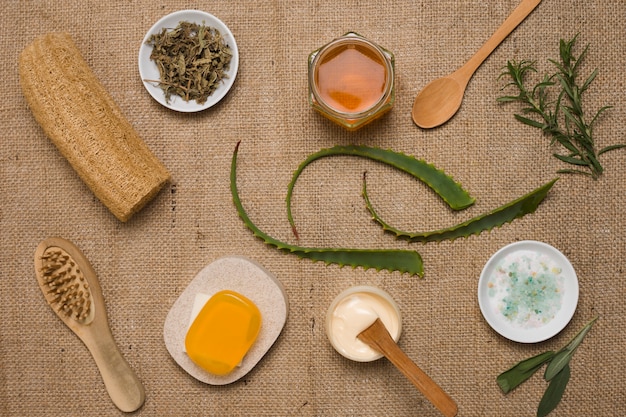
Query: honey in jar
351,81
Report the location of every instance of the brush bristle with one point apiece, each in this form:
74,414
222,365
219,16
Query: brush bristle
66,284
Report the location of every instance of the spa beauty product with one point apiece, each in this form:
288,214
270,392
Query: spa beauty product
354,310
363,323
231,299
79,115
351,81
528,291
223,332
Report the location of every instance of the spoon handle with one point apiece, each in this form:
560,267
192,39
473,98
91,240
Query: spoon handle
515,18
377,336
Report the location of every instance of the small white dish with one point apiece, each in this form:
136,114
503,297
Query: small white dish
528,291
148,69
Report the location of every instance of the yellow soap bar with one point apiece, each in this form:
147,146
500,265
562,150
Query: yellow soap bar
223,332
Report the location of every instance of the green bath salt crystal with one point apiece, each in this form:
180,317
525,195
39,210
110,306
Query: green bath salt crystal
527,289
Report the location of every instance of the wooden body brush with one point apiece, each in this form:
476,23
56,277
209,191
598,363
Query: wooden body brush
71,287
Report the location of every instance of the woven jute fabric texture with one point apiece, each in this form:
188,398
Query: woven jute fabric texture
144,264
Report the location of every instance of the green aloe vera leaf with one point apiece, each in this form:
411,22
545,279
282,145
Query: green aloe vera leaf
450,191
512,378
404,261
504,214
553,394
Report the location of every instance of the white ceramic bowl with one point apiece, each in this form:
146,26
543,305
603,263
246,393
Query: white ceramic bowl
528,291
148,69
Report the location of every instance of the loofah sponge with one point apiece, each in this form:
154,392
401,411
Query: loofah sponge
87,126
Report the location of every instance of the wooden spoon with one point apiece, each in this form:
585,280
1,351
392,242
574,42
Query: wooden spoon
377,337
441,98
60,266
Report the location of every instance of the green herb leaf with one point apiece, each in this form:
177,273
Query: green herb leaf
560,361
598,113
507,99
512,378
562,119
569,146
553,394
589,80
570,160
575,342
562,358
557,372
529,122
610,148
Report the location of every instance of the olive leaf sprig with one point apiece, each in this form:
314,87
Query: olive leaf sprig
557,372
563,119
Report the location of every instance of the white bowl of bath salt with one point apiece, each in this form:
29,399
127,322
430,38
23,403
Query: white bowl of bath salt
528,291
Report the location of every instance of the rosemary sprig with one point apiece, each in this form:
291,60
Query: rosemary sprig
563,119
557,372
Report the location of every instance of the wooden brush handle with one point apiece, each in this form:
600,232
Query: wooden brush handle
93,329
123,386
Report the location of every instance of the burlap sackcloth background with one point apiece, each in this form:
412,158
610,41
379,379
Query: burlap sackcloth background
143,265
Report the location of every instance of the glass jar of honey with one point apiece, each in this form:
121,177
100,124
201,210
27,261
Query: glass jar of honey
351,81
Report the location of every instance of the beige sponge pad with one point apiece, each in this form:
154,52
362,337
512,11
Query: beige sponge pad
87,126
249,279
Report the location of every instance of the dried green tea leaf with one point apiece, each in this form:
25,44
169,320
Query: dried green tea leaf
192,60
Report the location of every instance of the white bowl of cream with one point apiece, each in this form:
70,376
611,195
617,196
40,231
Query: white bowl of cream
353,311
